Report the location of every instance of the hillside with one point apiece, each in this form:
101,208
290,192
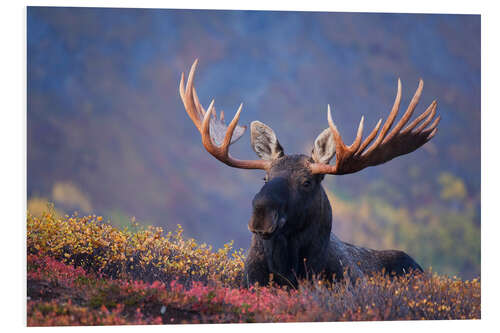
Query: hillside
82,271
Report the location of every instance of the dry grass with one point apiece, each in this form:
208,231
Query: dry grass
85,272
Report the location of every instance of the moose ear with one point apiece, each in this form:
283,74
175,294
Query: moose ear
324,147
264,141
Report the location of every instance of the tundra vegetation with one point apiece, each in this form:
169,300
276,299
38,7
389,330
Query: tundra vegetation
83,271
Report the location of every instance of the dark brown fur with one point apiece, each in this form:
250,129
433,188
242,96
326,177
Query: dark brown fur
302,244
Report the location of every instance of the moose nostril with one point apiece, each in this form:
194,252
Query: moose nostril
265,225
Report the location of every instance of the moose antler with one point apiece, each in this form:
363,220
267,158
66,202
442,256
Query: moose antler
350,159
215,135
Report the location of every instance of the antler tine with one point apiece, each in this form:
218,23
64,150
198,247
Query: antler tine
336,135
231,127
388,122
357,142
199,108
430,136
433,126
205,121
188,98
343,152
430,110
426,121
407,115
338,139
206,139
351,159
369,138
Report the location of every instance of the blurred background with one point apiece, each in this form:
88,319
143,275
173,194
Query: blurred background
108,134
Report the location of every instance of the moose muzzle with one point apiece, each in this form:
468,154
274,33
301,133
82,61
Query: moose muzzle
269,208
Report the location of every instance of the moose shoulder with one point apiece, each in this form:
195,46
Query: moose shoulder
291,218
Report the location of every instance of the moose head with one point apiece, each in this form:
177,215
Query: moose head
291,220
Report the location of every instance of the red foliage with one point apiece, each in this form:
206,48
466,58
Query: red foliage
60,295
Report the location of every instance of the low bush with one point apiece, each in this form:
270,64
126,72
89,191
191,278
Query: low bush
82,271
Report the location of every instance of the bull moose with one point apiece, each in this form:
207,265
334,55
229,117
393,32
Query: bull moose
291,220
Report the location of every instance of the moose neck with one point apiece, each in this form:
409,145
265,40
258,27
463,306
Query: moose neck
317,222
296,249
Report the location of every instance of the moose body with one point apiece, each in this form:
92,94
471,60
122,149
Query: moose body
291,225
291,219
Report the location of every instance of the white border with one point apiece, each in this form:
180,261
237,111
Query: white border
13,152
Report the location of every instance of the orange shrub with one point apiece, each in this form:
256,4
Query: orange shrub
84,272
